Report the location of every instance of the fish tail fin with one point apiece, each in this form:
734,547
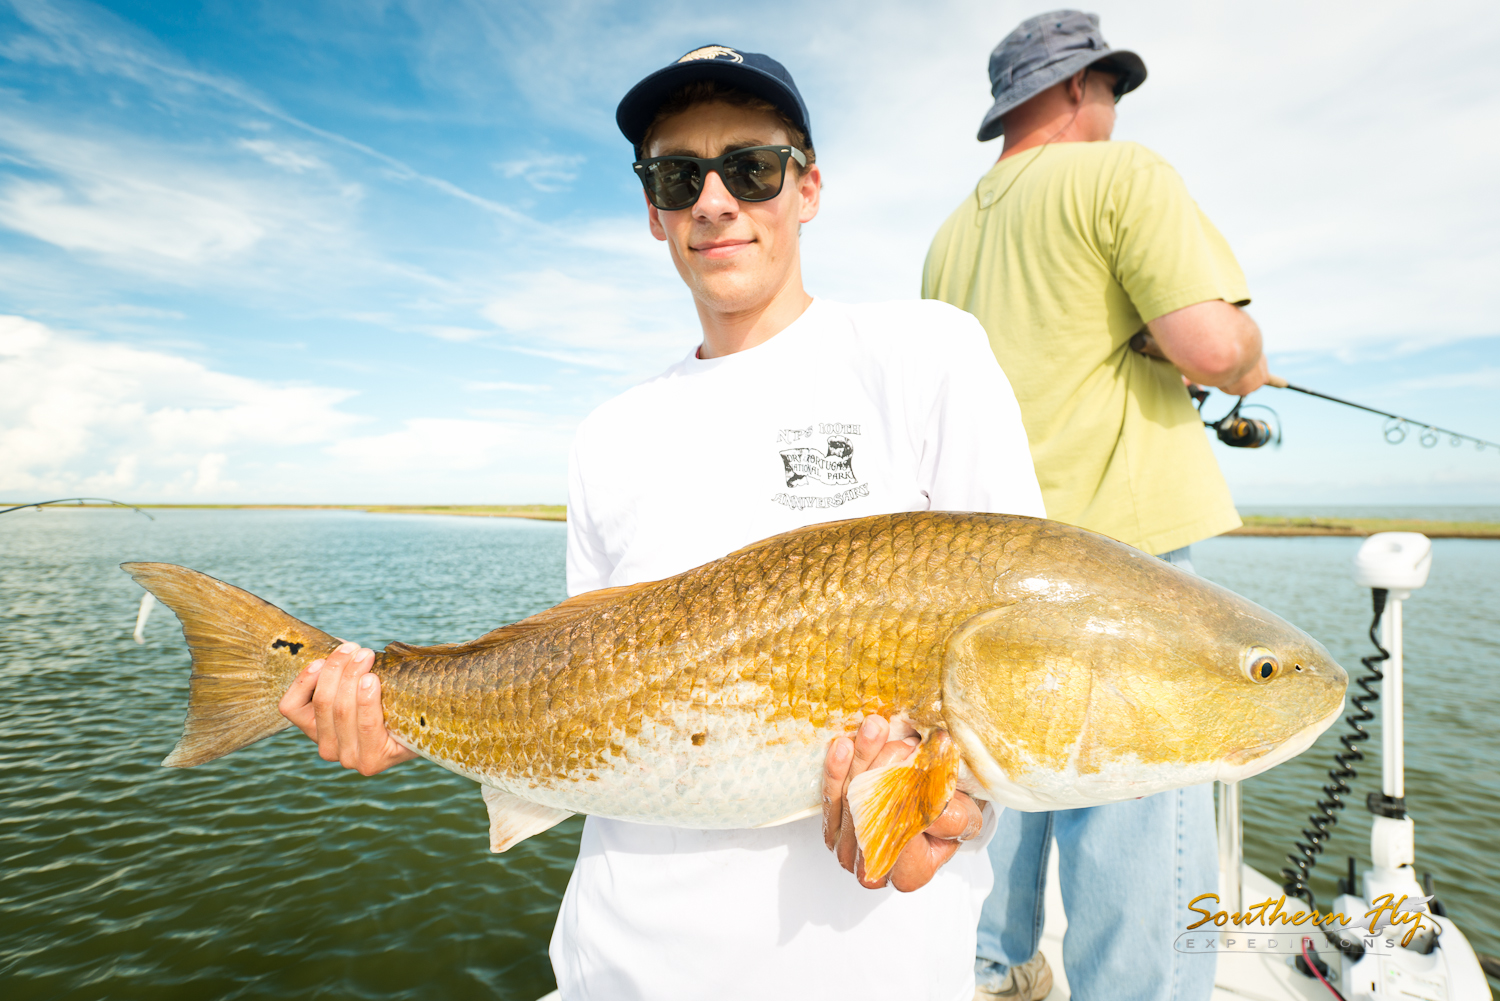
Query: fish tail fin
893,804
246,652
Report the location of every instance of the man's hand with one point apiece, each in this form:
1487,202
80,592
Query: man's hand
336,702
1213,343
924,854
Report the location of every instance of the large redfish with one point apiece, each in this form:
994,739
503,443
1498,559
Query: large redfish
1043,666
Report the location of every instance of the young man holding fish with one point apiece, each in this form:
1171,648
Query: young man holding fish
794,411
1068,249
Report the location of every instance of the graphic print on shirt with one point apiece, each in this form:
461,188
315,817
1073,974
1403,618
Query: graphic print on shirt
810,466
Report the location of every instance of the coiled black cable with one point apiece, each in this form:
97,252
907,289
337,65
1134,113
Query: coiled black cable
1295,880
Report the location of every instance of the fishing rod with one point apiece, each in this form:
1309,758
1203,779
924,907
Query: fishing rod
1395,433
68,500
1238,431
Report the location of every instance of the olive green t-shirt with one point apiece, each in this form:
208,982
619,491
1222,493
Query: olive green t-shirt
1063,253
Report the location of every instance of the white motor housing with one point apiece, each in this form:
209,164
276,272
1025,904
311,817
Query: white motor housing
1395,561
1448,971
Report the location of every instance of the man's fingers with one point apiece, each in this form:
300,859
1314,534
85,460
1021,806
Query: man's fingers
835,773
336,702
926,853
894,751
346,707
370,724
848,846
296,704
868,742
324,696
888,753
919,861
864,880
960,820
1145,343
913,868
872,749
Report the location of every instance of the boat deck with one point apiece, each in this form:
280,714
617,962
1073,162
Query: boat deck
1262,978
1239,976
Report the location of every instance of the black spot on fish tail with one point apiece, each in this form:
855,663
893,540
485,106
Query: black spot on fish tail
422,720
699,738
295,648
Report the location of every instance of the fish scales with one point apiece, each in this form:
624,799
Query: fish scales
655,674
1043,666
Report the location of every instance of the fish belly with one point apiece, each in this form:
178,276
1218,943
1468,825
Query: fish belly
743,773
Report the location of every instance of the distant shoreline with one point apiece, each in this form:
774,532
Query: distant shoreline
1255,524
536,512
1270,525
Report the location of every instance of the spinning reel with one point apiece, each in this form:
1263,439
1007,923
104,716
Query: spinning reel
1238,431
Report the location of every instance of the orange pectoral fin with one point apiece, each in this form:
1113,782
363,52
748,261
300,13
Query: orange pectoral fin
893,804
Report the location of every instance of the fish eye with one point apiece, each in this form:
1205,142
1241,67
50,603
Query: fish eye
1261,665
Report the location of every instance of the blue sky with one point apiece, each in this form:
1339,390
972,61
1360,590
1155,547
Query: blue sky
364,252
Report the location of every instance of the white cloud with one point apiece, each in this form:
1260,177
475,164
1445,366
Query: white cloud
457,445
458,335
570,60
279,155
92,40
1487,377
611,323
136,312
1358,199
126,219
142,207
72,406
94,202
528,417
623,237
126,207
208,481
548,172
1352,232
514,387
80,415
514,457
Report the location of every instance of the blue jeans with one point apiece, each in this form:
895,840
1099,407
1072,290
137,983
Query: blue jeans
1127,872
1180,558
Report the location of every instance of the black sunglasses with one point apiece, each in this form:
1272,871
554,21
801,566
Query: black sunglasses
752,174
1118,90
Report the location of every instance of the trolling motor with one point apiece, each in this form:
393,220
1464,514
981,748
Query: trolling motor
1416,950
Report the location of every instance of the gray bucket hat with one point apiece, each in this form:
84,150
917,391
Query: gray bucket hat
1045,50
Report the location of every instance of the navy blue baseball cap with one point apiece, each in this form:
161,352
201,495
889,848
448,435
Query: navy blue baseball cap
750,72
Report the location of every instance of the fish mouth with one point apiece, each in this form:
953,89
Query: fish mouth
1247,761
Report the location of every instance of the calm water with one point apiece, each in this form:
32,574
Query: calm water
273,872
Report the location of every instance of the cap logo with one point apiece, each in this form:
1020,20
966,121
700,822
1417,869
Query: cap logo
712,52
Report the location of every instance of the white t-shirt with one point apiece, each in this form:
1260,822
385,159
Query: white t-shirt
849,411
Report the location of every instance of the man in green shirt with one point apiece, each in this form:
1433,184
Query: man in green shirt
1068,248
